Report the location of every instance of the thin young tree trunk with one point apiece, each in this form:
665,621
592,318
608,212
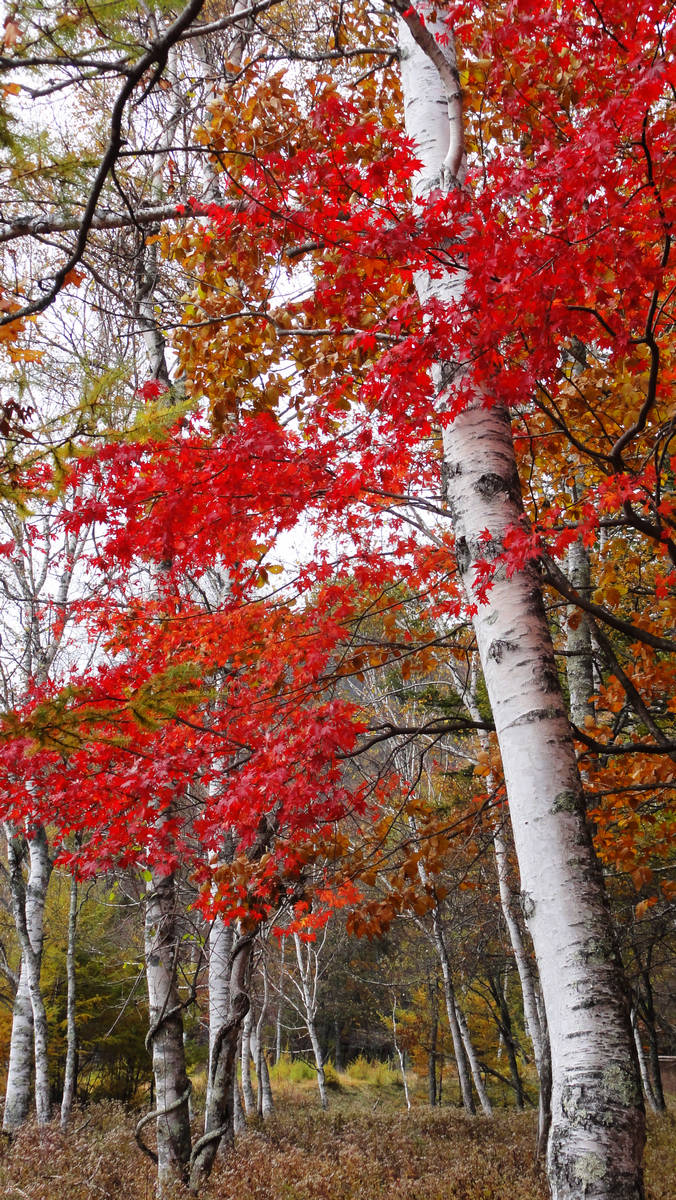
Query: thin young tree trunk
514,1072
280,1004
165,1036
462,1043
309,981
473,1061
339,1056
598,1128
434,1037
454,1026
643,1066
521,958
461,1060
319,1062
508,906
265,1103
498,990
399,1053
238,1117
501,1034
545,1096
248,1094
70,1074
534,1021
648,1014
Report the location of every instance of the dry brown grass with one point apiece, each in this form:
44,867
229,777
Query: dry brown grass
354,1152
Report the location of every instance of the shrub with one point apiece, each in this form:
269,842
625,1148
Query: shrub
331,1076
291,1070
375,1073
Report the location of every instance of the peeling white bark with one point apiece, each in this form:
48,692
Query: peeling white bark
597,1128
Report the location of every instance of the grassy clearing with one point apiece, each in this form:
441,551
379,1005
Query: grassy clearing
365,1148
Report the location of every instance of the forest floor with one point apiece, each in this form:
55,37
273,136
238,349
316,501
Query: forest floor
366,1147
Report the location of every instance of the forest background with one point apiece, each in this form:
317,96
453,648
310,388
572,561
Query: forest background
330,353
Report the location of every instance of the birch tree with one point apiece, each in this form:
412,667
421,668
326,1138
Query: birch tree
308,958
597,1126
29,1024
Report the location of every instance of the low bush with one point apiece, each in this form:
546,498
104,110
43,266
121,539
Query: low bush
372,1072
291,1070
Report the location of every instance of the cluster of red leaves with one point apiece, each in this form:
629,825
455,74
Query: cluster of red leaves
210,717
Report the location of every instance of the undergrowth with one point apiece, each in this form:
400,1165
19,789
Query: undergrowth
370,1151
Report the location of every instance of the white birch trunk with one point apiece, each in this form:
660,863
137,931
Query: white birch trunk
220,1118
523,964
220,950
28,909
70,1073
248,1094
597,1128
473,1061
265,1103
643,1066
165,1036
20,1067
148,266
280,1003
400,1054
308,969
